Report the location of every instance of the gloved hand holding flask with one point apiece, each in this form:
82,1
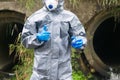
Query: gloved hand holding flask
44,35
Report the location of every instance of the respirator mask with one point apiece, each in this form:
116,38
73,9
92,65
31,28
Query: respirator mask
51,4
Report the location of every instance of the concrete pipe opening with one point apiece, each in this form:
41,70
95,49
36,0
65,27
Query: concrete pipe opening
106,42
102,50
11,24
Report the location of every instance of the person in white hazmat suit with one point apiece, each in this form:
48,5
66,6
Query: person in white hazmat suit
51,31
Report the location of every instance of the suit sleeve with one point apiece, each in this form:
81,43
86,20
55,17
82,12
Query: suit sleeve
28,37
77,29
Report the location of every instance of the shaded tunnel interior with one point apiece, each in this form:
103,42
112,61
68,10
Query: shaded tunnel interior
106,42
8,35
11,24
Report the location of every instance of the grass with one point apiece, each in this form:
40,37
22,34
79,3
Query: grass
30,4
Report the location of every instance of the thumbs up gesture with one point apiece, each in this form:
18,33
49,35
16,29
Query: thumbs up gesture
44,35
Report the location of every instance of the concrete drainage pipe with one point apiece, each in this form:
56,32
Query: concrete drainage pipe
11,24
102,51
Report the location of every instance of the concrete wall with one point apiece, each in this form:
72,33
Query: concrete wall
85,10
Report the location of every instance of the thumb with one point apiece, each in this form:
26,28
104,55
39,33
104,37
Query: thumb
45,28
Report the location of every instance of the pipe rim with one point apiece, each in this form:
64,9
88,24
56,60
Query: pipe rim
90,53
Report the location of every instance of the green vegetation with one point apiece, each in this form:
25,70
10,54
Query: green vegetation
23,69
29,4
78,76
25,60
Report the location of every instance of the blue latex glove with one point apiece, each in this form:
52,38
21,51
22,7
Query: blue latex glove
77,43
44,35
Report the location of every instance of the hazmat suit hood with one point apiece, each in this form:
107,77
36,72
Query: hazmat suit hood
59,6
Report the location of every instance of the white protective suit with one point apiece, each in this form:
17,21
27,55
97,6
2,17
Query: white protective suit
52,59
